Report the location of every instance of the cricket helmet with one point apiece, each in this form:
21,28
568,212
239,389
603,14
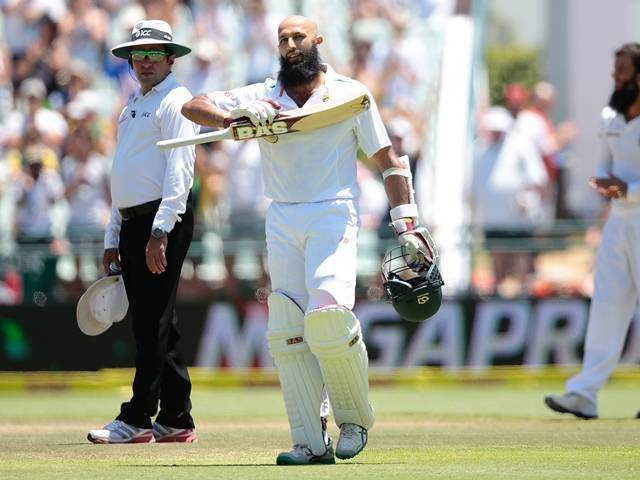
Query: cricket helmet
414,288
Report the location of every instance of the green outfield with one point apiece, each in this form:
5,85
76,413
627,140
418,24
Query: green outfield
492,430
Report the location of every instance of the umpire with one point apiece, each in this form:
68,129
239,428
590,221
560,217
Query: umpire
148,237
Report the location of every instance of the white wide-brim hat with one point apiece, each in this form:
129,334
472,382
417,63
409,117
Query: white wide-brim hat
150,32
104,303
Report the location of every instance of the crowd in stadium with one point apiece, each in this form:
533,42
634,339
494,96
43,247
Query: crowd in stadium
61,92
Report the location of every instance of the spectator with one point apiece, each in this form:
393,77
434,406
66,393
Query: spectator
37,190
215,19
6,87
207,72
258,41
508,178
55,76
21,22
535,122
84,172
516,98
84,29
45,56
72,79
32,116
86,181
246,207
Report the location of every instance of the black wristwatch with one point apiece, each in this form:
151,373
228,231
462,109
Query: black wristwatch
158,233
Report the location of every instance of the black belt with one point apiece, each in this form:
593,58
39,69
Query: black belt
138,210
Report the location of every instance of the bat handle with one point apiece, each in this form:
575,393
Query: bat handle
114,269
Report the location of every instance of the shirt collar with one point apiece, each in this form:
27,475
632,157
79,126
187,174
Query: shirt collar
329,77
330,73
165,84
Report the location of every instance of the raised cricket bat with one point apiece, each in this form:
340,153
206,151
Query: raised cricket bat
299,120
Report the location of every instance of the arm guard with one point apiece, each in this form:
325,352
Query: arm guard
401,213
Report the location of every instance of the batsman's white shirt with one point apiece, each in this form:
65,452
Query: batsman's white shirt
312,223
141,172
617,269
621,157
317,165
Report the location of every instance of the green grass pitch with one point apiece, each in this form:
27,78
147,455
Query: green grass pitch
464,431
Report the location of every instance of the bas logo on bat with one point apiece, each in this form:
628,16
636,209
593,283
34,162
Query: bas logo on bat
303,119
249,131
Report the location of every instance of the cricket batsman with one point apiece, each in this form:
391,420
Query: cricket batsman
311,232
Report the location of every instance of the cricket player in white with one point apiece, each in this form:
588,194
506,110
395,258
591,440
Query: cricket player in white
311,230
617,270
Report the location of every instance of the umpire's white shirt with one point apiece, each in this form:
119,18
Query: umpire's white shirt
621,157
141,172
318,165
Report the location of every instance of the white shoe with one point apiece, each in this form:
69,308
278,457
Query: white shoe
120,432
302,455
176,435
573,403
353,439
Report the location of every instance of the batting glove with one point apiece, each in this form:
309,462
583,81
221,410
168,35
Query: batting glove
259,112
418,245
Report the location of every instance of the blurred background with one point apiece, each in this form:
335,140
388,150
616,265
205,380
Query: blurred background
496,103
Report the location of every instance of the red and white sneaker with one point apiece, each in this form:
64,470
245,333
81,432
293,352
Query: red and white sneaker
121,432
178,435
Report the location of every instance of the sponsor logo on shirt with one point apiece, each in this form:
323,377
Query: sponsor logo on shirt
144,114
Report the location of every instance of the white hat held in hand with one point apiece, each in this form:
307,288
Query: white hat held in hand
104,303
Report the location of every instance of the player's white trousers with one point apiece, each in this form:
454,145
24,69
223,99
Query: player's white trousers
616,293
312,251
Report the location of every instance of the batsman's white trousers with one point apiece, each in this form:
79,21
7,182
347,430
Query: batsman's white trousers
615,296
312,250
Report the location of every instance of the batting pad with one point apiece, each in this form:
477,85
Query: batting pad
335,338
299,372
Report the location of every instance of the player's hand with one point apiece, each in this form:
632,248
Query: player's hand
155,254
609,187
259,112
419,246
111,261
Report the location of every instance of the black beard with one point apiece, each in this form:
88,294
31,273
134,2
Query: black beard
624,97
301,71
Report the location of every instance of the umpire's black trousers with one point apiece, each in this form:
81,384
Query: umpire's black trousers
161,375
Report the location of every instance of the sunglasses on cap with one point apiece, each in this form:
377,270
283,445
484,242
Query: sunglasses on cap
152,55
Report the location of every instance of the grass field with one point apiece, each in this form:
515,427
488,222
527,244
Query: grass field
493,431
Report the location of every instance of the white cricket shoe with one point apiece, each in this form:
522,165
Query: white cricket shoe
302,455
353,439
120,432
164,434
573,403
